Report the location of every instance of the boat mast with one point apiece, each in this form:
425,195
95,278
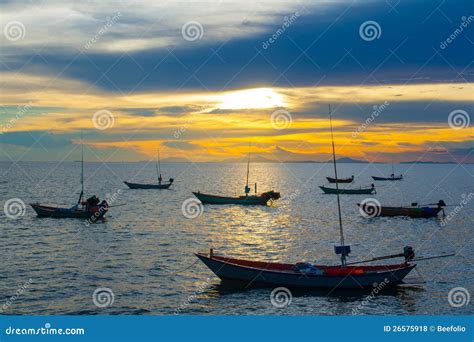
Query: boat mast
341,231
247,189
82,168
158,167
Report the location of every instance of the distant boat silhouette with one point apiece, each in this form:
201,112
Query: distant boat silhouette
246,199
391,178
160,185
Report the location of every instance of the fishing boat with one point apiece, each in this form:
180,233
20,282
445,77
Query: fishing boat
91,209
359,191
391,178
261,199
304,275
414,211
340,180
247,199
313,276
161,184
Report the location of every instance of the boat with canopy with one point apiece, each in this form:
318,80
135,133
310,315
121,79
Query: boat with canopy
247,199
91,209
161,184
305,275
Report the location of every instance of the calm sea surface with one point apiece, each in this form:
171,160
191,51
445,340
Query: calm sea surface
51,266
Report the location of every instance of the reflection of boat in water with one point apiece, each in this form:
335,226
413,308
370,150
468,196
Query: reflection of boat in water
92,208
415,211
160,185
313,276
257,199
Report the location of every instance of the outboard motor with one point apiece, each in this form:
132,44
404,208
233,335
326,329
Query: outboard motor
171,180
408,253
441,203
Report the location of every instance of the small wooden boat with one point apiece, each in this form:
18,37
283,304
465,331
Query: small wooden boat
91,209
160,185
391,178
340,180
414,211
360,191
261,199
303,275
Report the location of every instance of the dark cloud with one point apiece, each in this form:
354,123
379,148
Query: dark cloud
178,110
320,47
181,145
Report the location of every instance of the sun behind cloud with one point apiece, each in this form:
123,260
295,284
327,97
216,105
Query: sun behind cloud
258,98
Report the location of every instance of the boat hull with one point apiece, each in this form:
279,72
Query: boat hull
227,270
343,180
148,186
414,212
241,200
387,178
366,191
58,212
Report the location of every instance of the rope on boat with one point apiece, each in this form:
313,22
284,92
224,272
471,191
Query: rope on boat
184,269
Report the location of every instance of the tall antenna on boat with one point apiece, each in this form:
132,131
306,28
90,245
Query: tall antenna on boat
341,231
82,168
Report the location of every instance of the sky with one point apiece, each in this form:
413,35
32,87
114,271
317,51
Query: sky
207,81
